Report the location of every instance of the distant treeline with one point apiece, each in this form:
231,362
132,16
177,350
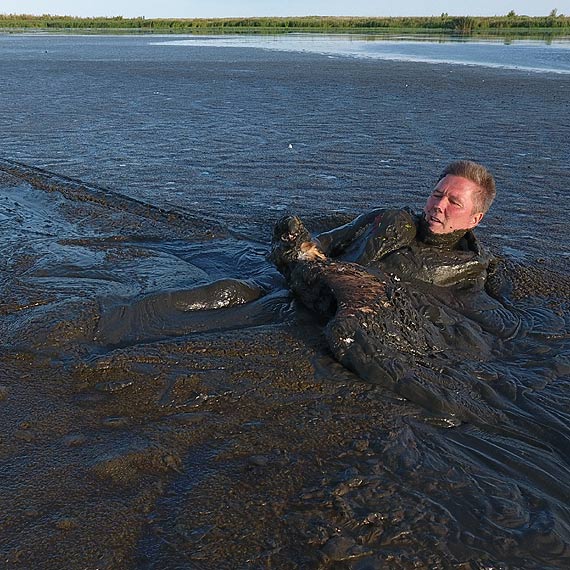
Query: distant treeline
445,23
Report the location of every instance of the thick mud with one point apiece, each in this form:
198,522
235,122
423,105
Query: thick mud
152,422
166,402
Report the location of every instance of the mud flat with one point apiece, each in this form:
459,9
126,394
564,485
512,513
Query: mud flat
238,442
140,433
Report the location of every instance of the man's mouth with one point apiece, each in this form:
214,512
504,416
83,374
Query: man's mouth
433,219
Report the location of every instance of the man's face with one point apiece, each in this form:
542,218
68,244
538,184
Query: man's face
451,205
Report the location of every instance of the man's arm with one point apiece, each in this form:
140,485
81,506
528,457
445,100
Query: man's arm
335,241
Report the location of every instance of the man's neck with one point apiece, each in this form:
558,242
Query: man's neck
448,240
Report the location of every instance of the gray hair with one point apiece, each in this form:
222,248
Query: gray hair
478,174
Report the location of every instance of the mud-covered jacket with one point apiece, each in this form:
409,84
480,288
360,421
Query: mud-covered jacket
398,243
395,241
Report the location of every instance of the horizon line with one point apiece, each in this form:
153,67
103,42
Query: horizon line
446,14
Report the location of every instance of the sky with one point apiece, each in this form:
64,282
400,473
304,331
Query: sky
239,8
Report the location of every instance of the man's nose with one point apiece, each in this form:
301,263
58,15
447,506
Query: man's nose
440,202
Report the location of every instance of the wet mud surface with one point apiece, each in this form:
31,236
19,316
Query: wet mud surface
156,415
231,437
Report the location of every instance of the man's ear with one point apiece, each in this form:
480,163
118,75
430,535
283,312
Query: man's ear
476,218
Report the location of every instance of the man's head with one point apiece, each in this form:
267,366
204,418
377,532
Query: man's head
463,194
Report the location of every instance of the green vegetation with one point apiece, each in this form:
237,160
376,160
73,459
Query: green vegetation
553,23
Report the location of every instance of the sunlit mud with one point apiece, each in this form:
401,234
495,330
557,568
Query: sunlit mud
167,402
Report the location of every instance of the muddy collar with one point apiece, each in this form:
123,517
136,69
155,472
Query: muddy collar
447,241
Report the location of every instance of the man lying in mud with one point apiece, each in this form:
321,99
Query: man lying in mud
416,284
400,285
437,246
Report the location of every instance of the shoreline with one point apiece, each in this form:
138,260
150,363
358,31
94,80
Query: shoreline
511,23
507,33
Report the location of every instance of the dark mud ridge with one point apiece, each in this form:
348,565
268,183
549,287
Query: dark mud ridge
166,402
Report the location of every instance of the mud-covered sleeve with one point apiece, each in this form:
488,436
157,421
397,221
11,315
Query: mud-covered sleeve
498,283
335,241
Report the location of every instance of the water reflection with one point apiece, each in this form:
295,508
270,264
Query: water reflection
511,52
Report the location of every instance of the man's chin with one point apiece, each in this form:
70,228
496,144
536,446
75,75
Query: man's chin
436,228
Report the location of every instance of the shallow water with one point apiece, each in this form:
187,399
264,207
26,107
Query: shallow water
253,133
552,56
140,434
